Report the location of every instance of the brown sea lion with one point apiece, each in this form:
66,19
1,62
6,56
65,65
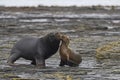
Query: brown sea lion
68,57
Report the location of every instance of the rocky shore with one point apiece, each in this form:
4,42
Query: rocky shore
94,32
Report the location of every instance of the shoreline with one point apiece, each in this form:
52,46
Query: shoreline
81,9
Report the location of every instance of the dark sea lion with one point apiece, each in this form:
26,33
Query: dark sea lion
35,49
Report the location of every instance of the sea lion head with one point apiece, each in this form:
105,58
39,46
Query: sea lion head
63,37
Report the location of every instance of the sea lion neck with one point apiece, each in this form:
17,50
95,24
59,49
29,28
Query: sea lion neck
63,43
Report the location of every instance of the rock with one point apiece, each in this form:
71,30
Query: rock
68,77
109,51
23,79
117,71
10,76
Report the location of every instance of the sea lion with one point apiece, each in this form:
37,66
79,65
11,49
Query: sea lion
35,49
68,57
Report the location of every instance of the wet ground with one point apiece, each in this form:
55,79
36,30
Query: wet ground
88,29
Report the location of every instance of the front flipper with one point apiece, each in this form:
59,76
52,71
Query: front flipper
40,61
62,63
33,62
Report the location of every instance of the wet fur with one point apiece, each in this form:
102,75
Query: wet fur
35,49
68,57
